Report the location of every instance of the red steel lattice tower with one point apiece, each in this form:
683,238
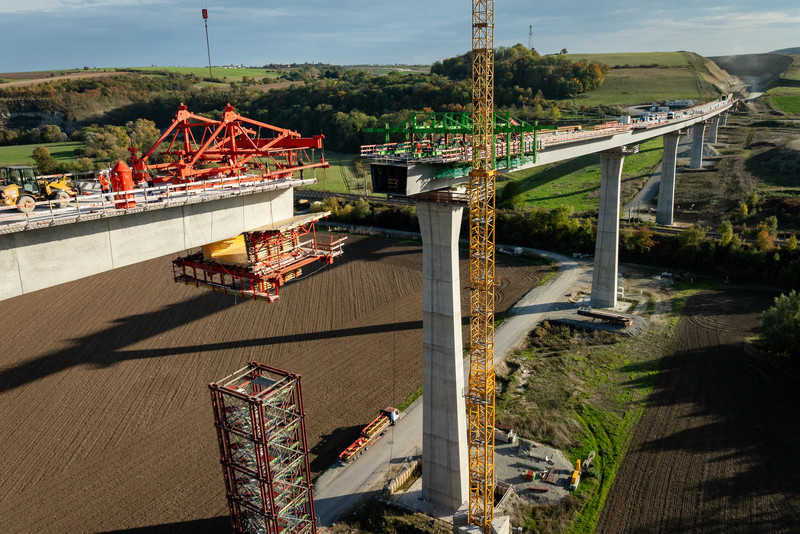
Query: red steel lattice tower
258,413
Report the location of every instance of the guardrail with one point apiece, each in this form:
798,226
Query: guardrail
102,205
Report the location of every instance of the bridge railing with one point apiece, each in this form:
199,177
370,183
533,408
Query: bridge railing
100,205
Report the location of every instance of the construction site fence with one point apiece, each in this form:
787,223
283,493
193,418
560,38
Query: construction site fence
401,478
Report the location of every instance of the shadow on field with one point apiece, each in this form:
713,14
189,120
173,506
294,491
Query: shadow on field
106,347
211,525
720,434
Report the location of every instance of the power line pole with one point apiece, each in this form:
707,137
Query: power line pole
530,37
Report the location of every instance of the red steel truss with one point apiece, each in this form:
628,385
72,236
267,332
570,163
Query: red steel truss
258,413
271,257
198,148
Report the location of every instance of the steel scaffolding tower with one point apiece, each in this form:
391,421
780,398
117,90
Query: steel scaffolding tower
258,413
480,396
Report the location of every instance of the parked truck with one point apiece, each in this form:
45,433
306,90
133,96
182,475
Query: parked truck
370,434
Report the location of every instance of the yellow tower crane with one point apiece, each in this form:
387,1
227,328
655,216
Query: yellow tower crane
480,396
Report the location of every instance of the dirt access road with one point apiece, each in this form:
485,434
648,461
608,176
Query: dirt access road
718,446
104,406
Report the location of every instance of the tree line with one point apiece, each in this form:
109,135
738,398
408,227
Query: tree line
339,103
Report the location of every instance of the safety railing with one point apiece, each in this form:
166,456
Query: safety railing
99,205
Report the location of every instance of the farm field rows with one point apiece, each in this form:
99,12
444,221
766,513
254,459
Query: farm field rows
717,447
103,389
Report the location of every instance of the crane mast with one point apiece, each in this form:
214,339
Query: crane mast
480,396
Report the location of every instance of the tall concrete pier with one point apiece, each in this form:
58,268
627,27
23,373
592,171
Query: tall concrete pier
698,133
444,422
606,253
713,128
666,189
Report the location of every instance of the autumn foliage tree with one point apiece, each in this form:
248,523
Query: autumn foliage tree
780,329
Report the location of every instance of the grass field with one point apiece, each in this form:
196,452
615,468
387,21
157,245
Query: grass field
640,86
230,75
577,182
21,154
607,381
786,99
340,177
665,59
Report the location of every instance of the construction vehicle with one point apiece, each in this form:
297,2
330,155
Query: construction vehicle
575,479
20,186
370,434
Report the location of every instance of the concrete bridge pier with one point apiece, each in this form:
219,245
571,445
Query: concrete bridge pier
698,132
723,119
445,470
713,128
666,189
606,252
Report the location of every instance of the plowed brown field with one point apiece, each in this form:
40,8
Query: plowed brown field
718,446
104,406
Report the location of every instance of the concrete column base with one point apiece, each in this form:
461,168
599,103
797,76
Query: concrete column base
444,420
606,253
666,189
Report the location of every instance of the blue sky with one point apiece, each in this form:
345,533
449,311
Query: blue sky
54,34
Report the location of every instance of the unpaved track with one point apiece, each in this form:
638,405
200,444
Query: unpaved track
718,446
104,406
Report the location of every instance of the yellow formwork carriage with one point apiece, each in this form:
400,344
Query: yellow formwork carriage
481,384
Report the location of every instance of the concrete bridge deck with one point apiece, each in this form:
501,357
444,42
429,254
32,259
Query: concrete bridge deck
51,245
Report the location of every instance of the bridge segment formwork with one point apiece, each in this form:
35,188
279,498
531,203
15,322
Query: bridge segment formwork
47,256
444,423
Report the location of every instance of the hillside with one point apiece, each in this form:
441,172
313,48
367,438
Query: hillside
639,78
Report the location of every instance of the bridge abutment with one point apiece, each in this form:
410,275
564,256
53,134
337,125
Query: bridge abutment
444,423
666,189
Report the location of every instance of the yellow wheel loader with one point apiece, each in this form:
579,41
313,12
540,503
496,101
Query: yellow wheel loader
20,186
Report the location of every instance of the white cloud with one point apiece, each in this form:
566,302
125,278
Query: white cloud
57,6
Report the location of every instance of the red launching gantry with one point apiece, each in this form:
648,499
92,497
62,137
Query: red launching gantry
201,149
237,150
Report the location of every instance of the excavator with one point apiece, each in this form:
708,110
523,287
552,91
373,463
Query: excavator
20,186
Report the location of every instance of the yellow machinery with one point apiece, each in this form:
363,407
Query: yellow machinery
480,396
20,186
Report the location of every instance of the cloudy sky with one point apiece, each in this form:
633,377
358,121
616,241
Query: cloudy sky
55,34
